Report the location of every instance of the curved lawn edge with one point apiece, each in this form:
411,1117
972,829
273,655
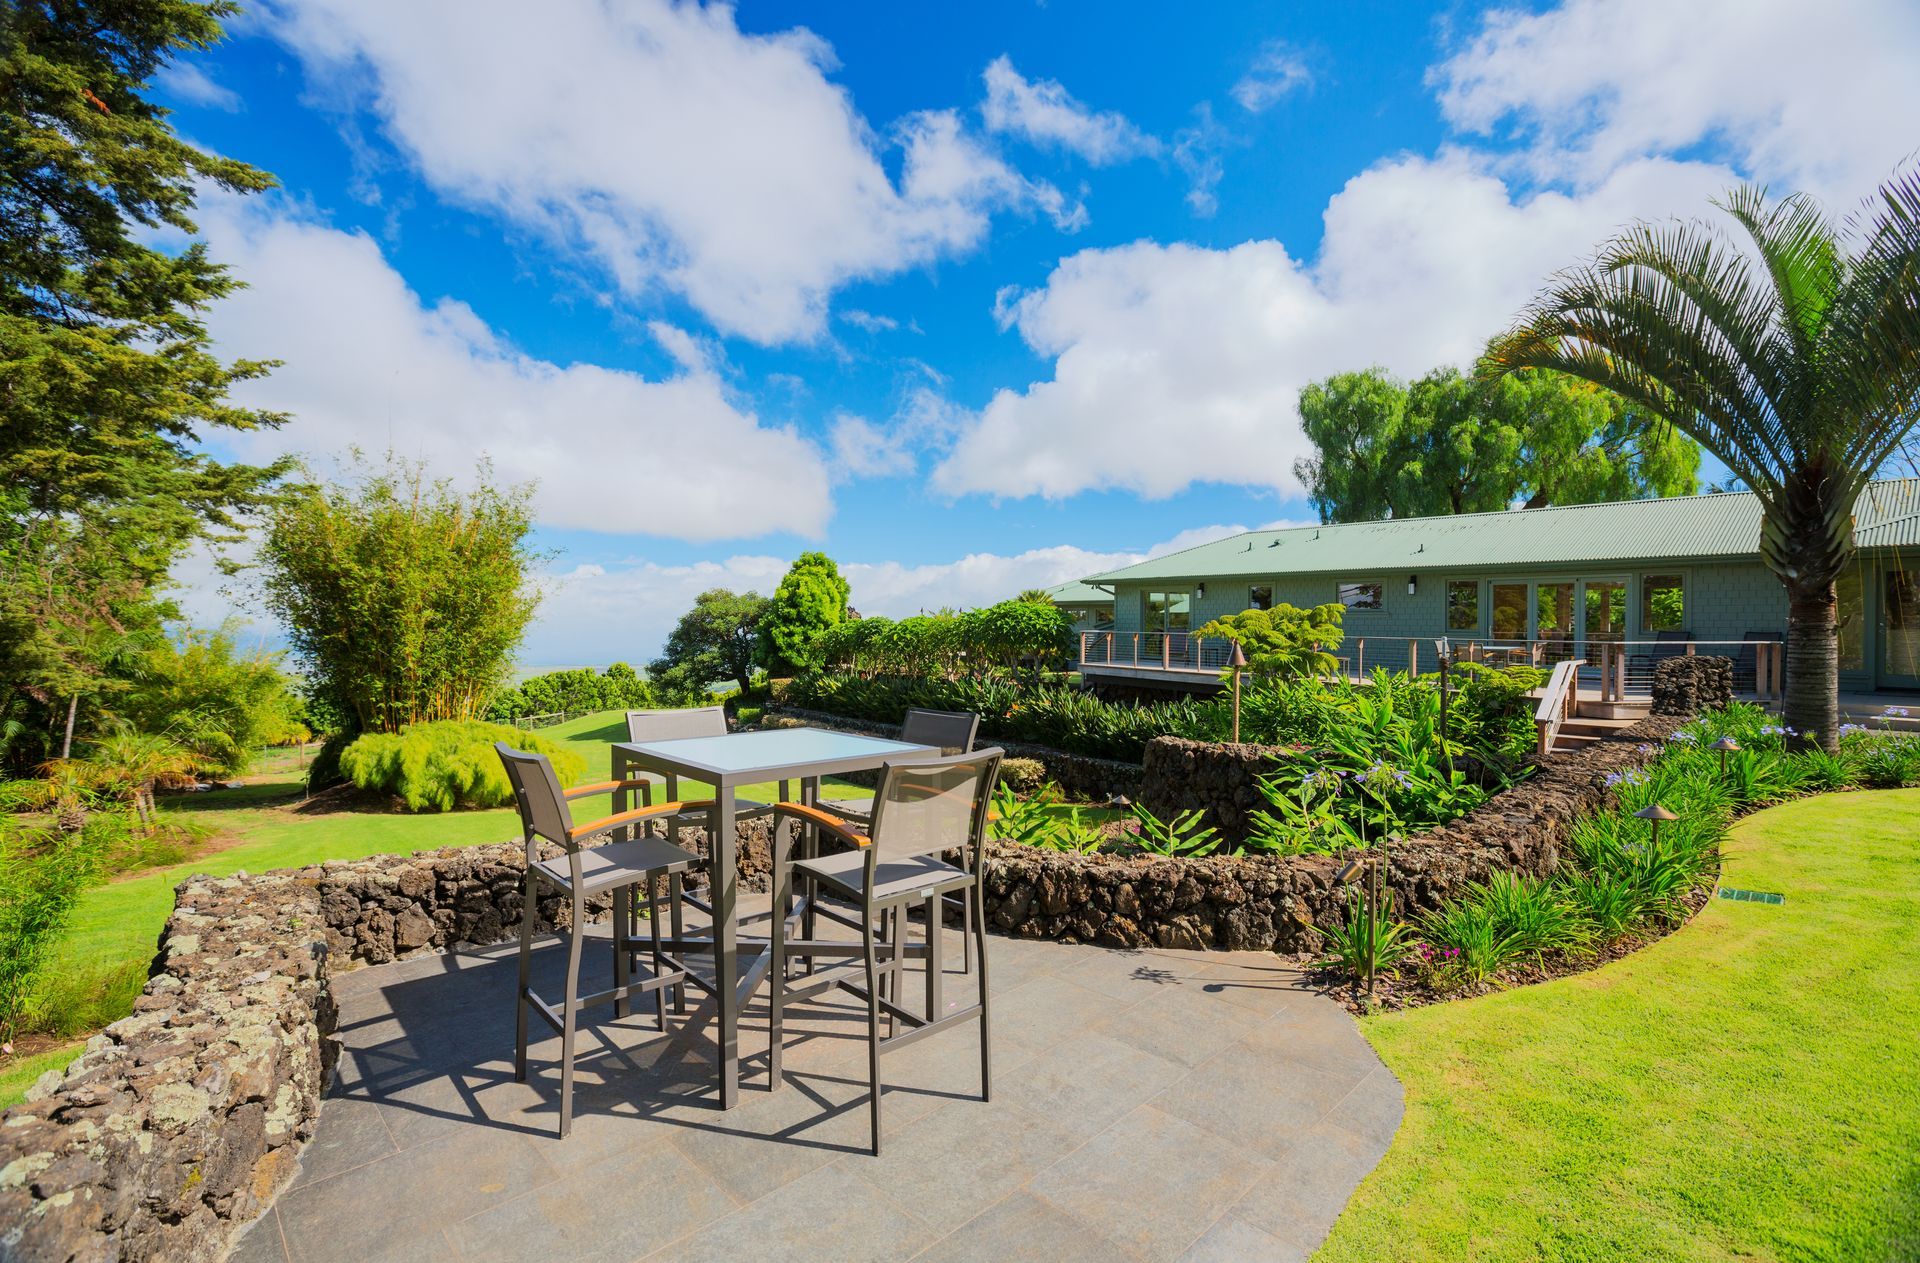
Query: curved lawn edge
1747,1085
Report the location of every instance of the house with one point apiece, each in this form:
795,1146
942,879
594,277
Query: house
1623,584
1090,608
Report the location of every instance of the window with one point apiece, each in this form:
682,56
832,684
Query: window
1360,596
1463,605
1663,603
1510,611
1167,611
1260,598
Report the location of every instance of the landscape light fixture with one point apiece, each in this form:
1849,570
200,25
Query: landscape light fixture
1726,746
1655,813
1237,663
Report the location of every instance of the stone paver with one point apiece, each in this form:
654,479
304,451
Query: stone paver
1152,1106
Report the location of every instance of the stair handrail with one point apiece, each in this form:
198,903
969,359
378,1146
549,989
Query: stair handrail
1557,702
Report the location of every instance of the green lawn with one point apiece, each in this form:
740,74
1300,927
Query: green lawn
1748,1087
118,924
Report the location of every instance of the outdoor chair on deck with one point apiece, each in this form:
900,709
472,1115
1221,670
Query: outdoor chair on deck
922,811
580,874
1667,644
950,732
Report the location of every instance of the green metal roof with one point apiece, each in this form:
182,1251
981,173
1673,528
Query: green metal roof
1702,527
1077,593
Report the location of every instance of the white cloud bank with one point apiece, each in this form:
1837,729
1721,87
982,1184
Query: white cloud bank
663,142
369,362
1278,71
1175,364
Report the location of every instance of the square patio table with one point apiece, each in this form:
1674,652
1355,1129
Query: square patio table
726,763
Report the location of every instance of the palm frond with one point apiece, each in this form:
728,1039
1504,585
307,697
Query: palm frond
1871,348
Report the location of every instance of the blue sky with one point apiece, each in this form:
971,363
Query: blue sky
972,297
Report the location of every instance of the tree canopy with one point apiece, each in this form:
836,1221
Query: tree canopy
1453,443
810,600
108,383
404,599
1284,641
718,639
1791,352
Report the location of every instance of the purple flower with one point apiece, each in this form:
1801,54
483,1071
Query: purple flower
1895,712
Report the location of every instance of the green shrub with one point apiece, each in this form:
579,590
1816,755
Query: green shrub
220,702
574,691
1367,945
1023,776
1482,945
41,878
1610,903
1532,911
1186,836
448,764
324,772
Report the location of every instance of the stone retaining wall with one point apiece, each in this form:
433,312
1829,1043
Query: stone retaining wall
1222,780
180,1123
1266,903
1690,683
1081,777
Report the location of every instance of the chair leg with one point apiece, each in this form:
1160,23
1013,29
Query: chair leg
570,1017
966,923
980,954
873,1027
777,981
659,966
529,910
936,906
622,952
674,887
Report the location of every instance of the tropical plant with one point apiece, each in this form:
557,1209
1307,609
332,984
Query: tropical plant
404,599
810,601
1792,355
449,764
1482,946
1041,821
1186,836
1284,642
1368,944
128,764
1532,911
1609,902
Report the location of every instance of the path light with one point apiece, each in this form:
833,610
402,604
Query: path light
1655,813
1238,663
1726,746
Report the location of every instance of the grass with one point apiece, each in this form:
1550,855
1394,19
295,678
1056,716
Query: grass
1748,1087
101,965
18,1075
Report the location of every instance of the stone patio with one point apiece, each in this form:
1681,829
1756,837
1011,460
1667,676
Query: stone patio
1148,1105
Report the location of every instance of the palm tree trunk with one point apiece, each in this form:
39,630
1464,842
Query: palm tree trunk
1813,665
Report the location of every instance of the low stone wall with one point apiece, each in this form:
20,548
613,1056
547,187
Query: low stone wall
1267,903
1691,683
180,1123
1081,777
1220,779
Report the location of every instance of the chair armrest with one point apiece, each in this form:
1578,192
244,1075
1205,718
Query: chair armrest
606,787
637,814
825,819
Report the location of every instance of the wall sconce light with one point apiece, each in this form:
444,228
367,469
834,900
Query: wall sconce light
1413,585
1200,591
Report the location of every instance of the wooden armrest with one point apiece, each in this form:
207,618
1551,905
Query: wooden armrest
825,819
605,787
637,814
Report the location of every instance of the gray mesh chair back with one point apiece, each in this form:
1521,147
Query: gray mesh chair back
537,792
928,807
672,725
949,731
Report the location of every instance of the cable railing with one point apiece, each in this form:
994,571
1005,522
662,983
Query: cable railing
1614,670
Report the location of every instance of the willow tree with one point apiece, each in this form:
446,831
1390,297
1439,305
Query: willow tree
1789,348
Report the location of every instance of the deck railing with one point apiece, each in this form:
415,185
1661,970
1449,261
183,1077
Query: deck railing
1617,670
1558,702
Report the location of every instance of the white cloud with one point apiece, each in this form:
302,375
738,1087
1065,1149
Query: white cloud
861,449
663,142
1176,364
1196,151
870,322
1819,98
1046,114
190,83
1278,70
369,362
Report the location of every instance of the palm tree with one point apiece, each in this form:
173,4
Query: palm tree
1791,351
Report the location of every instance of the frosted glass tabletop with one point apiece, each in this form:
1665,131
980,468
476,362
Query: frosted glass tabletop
792,752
